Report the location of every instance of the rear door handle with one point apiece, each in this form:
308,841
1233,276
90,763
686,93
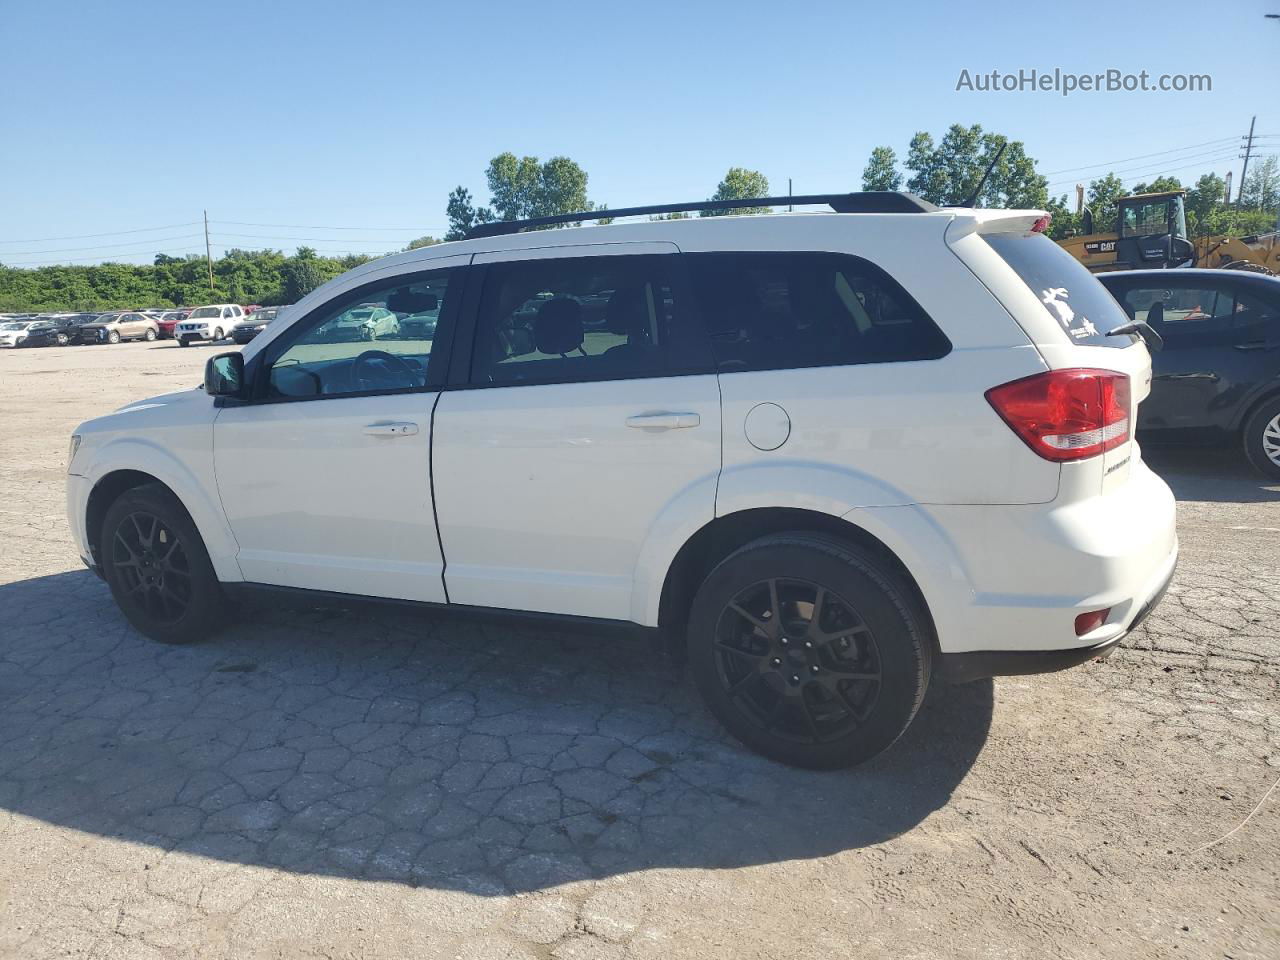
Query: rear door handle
664,421
394,429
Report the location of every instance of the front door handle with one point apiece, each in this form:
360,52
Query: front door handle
664,421
394,429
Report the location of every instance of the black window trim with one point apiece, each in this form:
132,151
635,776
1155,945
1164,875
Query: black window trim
462,368
259,368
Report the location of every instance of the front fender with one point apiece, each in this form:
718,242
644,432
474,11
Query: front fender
199,497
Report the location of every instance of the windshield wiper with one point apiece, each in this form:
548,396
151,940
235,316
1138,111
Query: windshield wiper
1154,341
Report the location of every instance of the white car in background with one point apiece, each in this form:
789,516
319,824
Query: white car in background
14,332
835,454
212,322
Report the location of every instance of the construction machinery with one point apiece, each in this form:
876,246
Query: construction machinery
1151,232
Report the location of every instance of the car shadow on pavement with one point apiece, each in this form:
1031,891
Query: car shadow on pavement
1211,474
423,749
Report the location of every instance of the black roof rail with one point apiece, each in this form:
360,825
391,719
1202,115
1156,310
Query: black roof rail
870,201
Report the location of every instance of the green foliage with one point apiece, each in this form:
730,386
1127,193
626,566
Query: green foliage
740,184
525,188
427,241
1262,186
1160,184
240,276
947,174
881,171
1202,200
462,214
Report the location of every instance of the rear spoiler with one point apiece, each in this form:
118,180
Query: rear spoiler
997,221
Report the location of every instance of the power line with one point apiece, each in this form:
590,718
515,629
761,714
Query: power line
105,246
113,233
63,260
1143,170
300,226
1142,156
271,236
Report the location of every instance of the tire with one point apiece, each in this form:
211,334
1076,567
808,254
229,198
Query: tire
184,342
113,336
62,339
149,336
1261,436
855,678
158,569
217,335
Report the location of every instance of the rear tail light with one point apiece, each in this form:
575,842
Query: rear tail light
1066,414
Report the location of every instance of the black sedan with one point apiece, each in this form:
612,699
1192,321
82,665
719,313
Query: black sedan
1218,376
252,325
57,330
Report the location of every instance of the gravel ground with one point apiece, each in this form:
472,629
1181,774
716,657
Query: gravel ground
374,783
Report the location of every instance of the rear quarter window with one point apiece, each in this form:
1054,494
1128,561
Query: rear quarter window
1073,296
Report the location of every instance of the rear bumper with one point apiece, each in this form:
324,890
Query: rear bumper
980,664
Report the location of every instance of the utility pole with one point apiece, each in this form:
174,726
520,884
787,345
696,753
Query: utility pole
208,253
1248,149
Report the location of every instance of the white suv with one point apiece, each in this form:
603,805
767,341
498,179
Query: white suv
208,323
834,453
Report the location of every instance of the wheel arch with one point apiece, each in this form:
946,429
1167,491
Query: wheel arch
725,534
1268,394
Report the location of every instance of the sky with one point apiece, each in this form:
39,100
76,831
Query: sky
287,120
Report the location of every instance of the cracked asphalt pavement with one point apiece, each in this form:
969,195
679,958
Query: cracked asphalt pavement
374,782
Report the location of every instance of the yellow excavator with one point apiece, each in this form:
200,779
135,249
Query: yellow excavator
1151,232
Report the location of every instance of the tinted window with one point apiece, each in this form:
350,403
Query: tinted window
1203,314
1069,292
582,318
363,344
767,311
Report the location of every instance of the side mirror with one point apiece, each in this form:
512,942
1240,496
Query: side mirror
224,376
1181,250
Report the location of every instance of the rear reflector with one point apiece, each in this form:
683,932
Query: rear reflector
1066,414
1088,622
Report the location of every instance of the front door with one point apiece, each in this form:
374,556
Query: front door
589,413
325,476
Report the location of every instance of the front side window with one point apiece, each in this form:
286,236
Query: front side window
205,313
368,344
575,319
767,311
1179,305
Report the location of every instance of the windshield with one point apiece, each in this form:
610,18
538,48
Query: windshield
205,313
1069,292
1150,218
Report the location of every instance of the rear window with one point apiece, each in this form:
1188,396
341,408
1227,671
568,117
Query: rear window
1069,292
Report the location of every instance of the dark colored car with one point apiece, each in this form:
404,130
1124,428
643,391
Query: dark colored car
252,325
1218,377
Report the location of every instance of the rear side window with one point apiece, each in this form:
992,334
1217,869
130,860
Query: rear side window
1069,292
770,311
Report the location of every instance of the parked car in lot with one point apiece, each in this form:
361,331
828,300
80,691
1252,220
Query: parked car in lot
208,323
15,332
168,322
76,328
365,321
250,326
1218,377
114,327
836,454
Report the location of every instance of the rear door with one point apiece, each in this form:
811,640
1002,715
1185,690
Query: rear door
587,412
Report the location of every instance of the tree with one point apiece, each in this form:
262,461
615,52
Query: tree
1202,199
523,188
1160,184
427,241
948,174
1262,186
881,171
1101,198
462,214
740,184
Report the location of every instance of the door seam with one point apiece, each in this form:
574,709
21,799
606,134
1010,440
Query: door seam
435,507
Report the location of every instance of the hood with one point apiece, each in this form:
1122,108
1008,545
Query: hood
164,400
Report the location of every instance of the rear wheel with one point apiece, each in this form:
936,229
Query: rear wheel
113,336
1262,438
809,651
157,567
150,335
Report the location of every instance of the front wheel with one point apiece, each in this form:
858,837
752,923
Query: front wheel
62,339
217,335
184,342
157,567
1262,438
809,650
113,336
